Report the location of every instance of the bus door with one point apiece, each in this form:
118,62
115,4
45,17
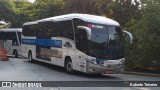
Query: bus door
81,39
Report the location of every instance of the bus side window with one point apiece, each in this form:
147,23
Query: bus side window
27,29
45,29
49,28
55,31
14,42
64,29
68,32
78,22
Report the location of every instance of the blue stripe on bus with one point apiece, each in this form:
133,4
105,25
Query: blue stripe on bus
44,42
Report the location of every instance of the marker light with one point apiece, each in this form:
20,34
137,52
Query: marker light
89,25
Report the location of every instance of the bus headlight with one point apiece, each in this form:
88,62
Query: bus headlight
93,61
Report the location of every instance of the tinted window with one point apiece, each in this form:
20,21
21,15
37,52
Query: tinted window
50,29
10,36
106,42
45,29
30,30
115,36
63,29
99,33
78,22
81,40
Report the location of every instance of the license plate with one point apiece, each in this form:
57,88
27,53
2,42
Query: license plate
109,72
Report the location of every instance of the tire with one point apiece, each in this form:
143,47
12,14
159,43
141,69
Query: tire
15,53
30,57
69,66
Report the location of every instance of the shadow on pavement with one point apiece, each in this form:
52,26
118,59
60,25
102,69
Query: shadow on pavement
81,74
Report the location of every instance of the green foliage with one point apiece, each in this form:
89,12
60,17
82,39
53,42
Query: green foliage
49,8
7,10
145,52
124,11
98,7
24,11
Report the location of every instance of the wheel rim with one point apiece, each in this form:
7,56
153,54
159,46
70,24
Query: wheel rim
69,66
30,57
16,54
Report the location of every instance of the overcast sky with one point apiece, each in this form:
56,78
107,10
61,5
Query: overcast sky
31,0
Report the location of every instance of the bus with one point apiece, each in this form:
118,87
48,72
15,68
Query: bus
78,42
10,39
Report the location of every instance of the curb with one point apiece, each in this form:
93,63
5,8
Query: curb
141,73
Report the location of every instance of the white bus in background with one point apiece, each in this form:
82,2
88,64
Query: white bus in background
10,38
82,42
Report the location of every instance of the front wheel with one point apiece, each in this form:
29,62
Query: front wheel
30,57
15,53
69,66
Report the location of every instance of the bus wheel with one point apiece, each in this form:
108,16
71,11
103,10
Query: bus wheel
30,56
69,66
15,53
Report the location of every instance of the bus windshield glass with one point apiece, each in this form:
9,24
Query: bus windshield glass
10,36
106,42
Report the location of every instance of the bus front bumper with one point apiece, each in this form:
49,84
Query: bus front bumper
113,68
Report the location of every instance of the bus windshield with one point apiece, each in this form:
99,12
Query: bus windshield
106,42
10,36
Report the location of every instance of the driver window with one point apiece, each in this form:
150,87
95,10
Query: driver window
81,40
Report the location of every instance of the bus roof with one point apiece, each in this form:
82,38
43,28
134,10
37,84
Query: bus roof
85,17
11,30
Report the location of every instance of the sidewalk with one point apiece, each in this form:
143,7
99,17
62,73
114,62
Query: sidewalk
141,73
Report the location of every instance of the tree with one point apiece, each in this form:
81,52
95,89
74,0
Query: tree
7,10
49,8
23,12
97,7
12,11
146,38
124,11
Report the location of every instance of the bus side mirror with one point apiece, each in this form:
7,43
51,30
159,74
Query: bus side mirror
88,31
130,37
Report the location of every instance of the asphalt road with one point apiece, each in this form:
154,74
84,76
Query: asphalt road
18,69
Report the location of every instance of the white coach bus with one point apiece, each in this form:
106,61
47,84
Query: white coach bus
10,39
86,43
